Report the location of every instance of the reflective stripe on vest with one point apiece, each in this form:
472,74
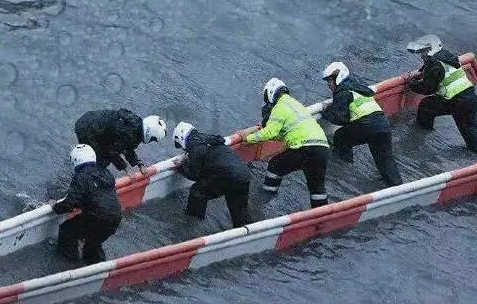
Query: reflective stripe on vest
362,106
299,118
455,81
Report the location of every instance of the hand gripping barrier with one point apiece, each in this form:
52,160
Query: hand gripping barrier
272,234
33,227
160,180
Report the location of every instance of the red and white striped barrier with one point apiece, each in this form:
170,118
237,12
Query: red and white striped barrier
272,234
37,225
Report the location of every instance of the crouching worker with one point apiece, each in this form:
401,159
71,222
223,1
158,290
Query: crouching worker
362,121
92,191
307,147
448,90
217,171
114,132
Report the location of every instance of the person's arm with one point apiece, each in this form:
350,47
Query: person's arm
338,112
132,158
272,129
77,193
119,162
189,169
432,75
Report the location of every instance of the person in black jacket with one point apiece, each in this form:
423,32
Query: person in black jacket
449,90
114,132
362,120
217,171
92,190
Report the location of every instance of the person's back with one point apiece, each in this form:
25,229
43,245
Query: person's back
110,129
215,159
92,190
362,119
364,109
448,89
99,186
114,132
286,119
354,104
216,170
291,122
435,70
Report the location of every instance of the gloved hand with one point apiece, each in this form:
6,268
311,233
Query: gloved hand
243,136
142,168
129,173
407,78
411,80
176,161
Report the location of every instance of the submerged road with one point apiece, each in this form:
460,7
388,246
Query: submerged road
206,62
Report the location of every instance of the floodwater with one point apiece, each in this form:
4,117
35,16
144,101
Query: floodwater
206,62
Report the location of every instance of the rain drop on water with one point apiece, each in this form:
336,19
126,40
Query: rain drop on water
66,95
113,83
116,49
8,73
64,38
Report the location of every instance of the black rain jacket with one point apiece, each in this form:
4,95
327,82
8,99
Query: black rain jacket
92,190
209,158
338,112
111,133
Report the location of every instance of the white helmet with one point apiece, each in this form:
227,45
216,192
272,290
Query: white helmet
154,129
429,44
271,89
336,68
82,154
181,133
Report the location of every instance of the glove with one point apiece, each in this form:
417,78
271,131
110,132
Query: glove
142,168
407,78
129,173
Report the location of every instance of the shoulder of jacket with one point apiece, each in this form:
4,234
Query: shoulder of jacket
280,106
343,91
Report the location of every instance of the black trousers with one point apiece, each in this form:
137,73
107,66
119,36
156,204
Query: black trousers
379,143
235,192
312,160
462,108
92,231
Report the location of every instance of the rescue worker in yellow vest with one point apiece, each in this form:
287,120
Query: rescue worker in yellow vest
362,120
307,147
449,90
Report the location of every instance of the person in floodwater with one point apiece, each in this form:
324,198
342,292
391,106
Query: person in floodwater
92,190
114,132
362,120
216,170
450,91
284,118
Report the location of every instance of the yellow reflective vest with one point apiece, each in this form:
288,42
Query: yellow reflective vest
455,82
362,106
291,122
